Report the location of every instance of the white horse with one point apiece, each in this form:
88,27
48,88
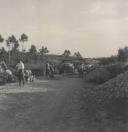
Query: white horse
29,77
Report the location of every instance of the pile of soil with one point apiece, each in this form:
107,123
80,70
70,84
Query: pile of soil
113,89
98,75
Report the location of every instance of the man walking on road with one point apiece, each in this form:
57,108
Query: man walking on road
20,68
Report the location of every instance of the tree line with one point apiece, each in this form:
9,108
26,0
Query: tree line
12,54
122,56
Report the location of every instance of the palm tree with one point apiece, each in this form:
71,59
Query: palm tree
44,50
11,42
33,50
3,53
78,54
9,48
33,53
1,39
67,53
23,39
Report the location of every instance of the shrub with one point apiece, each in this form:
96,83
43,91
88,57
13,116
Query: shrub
98,75
116,69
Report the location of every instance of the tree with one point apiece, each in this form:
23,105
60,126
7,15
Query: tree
1,39
15,52
77,54
33,50
16,45
3,53
123,54
33,53
67,53
44,50
2,49
12,39
108,60
9,48
11,43
23,38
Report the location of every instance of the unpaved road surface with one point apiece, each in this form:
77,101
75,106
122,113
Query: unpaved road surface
60,105
42,106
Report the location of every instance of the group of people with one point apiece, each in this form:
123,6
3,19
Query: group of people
24,75
27,75
84,69
50,70
81,68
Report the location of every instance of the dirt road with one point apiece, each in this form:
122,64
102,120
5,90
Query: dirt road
44,106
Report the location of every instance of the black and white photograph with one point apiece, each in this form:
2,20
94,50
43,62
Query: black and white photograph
63,65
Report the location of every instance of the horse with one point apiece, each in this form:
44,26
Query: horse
29,77
6,74
81,69
9,74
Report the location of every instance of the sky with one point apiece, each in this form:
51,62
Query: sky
95,28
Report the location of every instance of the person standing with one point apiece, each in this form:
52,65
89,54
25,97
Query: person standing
81,70
20,68
51,71
47,71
